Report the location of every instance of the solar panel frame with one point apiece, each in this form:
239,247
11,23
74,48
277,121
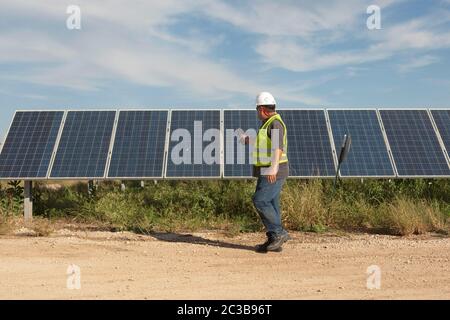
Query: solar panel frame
58,139
439,133
53,151
113,142
331,137
223,144
333,152
408,176
83,178
388,150
9,129
221,141
168,147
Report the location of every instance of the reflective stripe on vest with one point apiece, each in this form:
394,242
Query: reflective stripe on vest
262,151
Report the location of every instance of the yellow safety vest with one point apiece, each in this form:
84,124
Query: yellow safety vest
262,150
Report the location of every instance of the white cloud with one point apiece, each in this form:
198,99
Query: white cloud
304,19
313,36
123,42
417,35
419,62
134,42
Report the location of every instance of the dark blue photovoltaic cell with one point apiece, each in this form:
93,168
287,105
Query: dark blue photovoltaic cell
237,156
185,156
442,120
84,145
139,143
29,145
368,154
414,144
309,147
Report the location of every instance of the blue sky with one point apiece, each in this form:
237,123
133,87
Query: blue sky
204,53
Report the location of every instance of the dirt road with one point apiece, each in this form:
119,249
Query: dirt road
212,266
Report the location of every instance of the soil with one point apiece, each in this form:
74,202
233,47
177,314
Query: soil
210,265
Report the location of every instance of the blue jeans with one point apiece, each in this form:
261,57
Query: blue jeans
267,202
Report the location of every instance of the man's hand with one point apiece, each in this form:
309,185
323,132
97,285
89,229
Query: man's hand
271,173
243,138
272,178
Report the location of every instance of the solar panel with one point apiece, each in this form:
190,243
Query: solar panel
29,145
309,148
414,144
368,156
139,143
186,149
84,145
442,120
237,162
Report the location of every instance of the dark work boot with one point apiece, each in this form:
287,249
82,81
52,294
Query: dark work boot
264,248
277,242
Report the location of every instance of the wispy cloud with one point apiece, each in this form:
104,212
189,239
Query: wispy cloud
127,42
313,36
147,44
417,63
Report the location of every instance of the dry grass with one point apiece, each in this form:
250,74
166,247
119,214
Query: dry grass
6,226
407,216
41,227
303,206
38,227
400,207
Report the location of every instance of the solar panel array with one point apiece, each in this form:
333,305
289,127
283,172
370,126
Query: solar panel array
309,147
153,144
442,120
84,145
368,156
414,144
139,145
28,148
237,160
185,154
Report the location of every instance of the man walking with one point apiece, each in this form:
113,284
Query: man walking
271,168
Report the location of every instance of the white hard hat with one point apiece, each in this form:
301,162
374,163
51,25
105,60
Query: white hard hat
265,99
